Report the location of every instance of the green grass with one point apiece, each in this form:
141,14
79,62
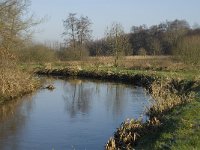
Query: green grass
191,73
180,130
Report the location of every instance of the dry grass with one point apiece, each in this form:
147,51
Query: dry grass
13,81
130,62
128,134
169,94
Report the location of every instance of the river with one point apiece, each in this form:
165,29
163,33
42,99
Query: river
77,114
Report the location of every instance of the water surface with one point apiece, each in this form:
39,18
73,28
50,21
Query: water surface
78,114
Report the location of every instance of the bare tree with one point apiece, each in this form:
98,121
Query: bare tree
77,31
70,25
175,31
118,41
188,50
15,23
83,29
15,28
83,32
156,47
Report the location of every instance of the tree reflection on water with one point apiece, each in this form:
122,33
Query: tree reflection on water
77,97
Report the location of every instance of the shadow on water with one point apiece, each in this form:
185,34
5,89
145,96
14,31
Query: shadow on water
80,114
13,117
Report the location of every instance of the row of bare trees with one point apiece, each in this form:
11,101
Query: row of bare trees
78,37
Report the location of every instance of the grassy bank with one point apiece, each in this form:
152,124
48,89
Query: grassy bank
180,130
171,90
162,66
167,95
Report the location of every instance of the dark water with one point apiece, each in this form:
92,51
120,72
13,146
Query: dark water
78,114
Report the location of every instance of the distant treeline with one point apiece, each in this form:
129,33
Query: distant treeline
175,38
161,39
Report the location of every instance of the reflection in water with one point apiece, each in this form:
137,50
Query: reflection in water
115,102
79,113
13,117
77,97
80,94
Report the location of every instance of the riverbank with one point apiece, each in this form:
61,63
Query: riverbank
180,130
170,90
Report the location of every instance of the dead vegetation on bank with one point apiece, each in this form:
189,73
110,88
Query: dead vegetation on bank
13,81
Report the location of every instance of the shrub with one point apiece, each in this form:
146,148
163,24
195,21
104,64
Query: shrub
37,53
13,81
188,50
70,54
142,52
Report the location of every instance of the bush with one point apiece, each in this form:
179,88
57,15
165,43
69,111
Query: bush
70,54
37,53
13,81
188,50
142,52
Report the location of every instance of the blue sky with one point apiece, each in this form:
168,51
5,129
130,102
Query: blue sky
103,12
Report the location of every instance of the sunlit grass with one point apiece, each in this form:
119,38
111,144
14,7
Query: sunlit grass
180,130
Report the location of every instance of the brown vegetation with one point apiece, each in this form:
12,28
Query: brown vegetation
36,53
13,81
15,27
129,62
188,50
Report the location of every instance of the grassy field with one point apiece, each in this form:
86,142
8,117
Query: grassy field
163,66
130,62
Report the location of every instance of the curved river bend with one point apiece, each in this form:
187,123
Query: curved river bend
78,114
